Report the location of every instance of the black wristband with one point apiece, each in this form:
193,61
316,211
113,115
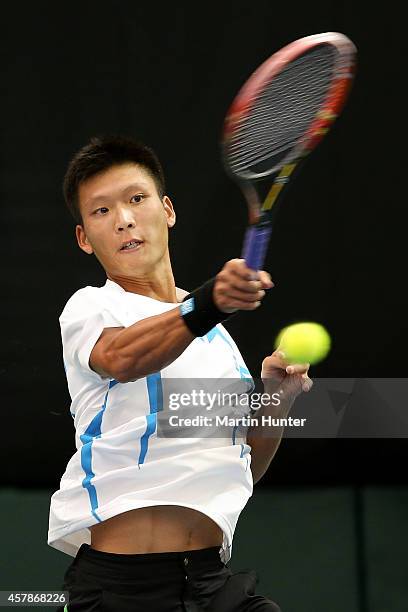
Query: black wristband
199,311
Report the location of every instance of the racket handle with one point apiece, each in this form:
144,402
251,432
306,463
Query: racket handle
255,244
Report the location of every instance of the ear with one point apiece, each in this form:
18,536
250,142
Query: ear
169,210
82,240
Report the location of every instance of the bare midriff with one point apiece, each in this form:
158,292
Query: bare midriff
156,529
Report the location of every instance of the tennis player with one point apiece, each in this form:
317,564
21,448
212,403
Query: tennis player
150,520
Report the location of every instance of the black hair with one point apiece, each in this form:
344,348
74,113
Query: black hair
102,153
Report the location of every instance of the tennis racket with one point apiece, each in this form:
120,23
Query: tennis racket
277,118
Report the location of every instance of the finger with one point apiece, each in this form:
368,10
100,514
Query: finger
239,267
297,368
281,357
266,280
307,384
250,286
239,304
243,296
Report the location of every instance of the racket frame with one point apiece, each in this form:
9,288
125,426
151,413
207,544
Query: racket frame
260,221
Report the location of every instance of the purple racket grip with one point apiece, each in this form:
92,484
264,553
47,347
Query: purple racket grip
255,244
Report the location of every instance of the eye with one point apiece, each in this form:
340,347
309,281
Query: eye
137,198
103,210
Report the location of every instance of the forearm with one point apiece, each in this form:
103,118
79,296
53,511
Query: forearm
155,342
149,345
265,438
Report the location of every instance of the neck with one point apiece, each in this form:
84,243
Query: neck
157,284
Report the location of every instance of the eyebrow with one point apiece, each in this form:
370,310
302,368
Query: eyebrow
107,198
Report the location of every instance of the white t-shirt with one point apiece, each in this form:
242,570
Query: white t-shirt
120,463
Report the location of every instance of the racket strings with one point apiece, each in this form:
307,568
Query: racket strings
282,113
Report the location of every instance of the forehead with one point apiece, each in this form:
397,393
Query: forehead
111,183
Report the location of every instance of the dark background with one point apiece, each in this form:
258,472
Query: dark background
166,75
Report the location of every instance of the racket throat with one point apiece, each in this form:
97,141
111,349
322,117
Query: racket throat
280,181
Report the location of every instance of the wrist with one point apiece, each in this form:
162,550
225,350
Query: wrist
199,310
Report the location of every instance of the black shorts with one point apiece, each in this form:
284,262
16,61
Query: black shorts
191,581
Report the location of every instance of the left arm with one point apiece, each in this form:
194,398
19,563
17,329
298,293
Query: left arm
288,381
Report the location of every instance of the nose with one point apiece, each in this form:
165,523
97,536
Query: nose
124,221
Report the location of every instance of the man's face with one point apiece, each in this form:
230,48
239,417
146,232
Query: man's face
120,205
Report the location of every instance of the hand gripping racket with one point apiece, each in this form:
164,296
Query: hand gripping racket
279,115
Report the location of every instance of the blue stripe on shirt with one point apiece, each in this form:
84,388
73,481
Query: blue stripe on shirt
92,431
155,392
243,371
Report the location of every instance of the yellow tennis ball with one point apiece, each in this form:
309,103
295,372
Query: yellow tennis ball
304,342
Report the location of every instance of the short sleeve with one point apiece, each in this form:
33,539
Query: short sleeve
82,322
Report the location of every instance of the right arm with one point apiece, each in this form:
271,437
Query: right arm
148,346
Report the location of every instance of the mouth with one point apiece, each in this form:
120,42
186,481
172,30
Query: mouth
131,245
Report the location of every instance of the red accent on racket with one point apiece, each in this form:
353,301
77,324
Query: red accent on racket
279,116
